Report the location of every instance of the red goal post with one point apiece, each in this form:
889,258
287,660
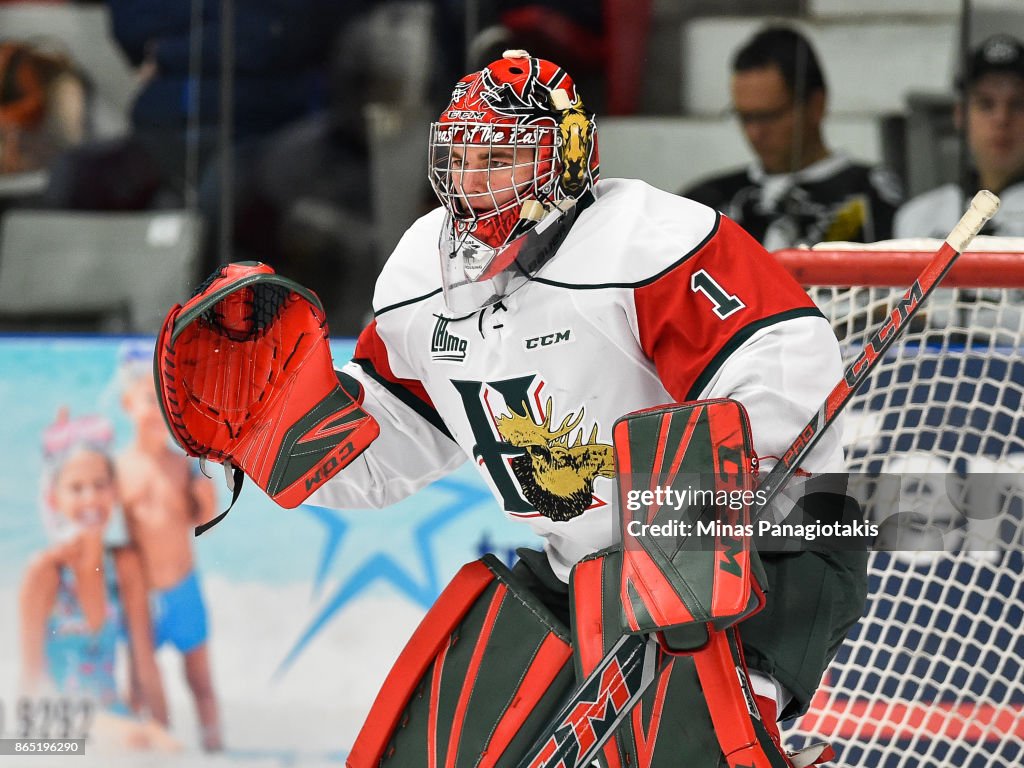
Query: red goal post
990,262
934,673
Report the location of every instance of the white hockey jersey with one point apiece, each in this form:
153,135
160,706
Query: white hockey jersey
651,299
935,212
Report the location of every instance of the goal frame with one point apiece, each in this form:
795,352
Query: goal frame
869,727
896,264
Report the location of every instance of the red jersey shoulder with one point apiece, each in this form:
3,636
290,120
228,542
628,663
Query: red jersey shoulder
373,356
691,317
729,278
733,263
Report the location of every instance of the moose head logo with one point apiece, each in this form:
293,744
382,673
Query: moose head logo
556,475
576,131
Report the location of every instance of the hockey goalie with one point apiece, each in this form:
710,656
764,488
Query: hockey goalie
515,326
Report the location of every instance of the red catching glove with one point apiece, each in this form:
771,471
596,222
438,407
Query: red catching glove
245,377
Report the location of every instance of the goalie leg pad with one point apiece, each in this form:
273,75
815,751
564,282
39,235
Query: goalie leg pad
669,726
686,485
699,712
480,678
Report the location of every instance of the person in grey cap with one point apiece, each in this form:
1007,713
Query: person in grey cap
993,118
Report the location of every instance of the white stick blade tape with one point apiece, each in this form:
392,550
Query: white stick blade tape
983,207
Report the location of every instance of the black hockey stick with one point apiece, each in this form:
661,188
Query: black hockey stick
596,708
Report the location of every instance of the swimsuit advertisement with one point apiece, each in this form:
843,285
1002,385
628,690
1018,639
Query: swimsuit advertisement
262,642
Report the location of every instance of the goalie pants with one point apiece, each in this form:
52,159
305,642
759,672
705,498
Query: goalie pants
494,659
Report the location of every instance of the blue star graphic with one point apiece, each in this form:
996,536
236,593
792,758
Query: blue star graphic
381,562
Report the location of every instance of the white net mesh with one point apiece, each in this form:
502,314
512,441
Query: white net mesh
934,674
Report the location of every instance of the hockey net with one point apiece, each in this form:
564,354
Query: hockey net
934,673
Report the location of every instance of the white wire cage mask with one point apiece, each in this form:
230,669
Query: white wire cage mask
497,182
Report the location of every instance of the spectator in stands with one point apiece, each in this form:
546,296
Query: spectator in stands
604,43
571,31
799,190
281,49
994,125
43,106
309,207
44,111
313,209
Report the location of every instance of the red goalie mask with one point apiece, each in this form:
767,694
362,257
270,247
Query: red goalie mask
513,149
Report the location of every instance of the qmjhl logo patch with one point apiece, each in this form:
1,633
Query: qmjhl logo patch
446,346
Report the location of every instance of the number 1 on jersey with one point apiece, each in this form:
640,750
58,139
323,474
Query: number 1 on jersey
722,302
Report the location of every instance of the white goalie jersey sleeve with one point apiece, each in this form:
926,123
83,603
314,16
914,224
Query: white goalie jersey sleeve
410,453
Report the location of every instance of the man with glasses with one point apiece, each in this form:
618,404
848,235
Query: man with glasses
798,190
